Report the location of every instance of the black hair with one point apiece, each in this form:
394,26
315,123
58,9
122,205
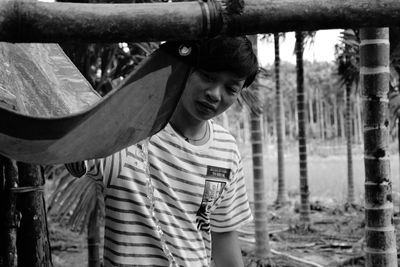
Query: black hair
220,53
233,54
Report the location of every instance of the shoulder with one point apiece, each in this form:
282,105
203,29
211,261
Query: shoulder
222,134
224,141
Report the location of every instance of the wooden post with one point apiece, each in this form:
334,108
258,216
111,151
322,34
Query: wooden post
9,217
32,237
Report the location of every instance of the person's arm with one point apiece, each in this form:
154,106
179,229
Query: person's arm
226,249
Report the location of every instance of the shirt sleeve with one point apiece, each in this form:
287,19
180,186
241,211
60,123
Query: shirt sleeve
101,170
76,169
234,209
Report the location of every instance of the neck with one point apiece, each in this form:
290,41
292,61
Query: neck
188,128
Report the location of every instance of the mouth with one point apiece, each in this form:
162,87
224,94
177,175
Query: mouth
205,106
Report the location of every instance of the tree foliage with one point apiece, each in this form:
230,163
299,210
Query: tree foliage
348,58
105,65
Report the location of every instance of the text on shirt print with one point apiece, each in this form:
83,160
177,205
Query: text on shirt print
215,183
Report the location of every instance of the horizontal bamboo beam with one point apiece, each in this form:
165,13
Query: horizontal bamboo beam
23,21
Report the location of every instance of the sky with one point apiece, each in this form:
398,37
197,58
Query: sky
321,50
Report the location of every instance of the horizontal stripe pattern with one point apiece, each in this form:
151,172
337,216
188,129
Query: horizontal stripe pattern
180,176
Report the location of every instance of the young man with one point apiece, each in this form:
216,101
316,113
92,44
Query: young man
177,198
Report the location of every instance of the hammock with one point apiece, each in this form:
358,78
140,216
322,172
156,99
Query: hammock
50,114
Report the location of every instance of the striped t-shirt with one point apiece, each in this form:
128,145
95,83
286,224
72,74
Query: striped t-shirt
197,189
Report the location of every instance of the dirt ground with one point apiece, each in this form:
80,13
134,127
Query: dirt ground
334,238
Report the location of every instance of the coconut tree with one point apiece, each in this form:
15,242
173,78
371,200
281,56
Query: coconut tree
301,109
260,200
380,249
347,58
282,194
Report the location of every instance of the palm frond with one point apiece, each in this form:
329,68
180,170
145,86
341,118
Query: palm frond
347,57
74,199
253,97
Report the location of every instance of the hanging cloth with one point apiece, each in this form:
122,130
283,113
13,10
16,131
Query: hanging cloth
50,114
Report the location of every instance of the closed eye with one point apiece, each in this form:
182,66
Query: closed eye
233,89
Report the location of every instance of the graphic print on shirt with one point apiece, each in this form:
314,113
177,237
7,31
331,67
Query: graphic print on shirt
214,185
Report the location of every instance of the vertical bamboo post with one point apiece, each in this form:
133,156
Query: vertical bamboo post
380,249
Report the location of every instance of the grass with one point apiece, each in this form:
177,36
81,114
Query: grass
327,173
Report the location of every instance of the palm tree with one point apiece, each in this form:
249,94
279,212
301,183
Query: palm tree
282,197
304,190
380,249
347,58
260,201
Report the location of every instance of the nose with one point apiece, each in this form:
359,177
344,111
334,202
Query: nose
213,93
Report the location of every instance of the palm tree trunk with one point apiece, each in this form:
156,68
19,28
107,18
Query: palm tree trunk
324,115
311,114
260,199
32,238
282,195
335,117
350,177
246,127
328,126
304,191
321,115
359,119
380,239
8,213
398,142
296,120
291,133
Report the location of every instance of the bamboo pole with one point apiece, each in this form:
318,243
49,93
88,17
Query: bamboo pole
23,21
